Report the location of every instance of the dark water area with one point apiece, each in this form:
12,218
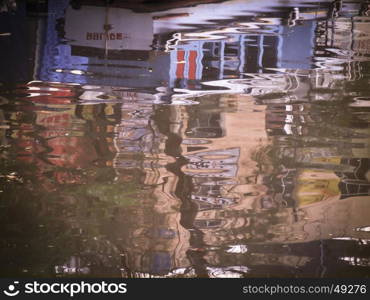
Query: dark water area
226,139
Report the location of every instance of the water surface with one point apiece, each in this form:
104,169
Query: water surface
226,139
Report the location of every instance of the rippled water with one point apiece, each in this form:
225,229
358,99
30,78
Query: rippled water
226,139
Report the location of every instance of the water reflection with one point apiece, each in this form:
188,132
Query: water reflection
147,141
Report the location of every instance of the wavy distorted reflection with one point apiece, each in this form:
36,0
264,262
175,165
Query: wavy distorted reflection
155,141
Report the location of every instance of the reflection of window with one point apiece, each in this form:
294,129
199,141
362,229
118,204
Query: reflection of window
207,223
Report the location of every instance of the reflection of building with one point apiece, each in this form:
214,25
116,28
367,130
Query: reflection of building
53,137
113,53
219,162
155,243
90,153
217,177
